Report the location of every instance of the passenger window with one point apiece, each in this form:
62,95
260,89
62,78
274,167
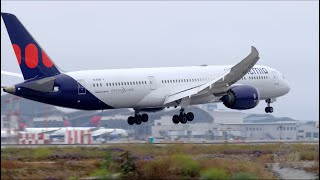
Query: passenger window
94,85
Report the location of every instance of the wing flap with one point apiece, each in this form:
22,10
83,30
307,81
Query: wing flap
192,91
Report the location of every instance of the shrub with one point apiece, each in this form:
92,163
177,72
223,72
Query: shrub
214,174
188,166
243,176
169,167
102,174
41,153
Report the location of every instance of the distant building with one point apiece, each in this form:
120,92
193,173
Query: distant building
210,107
165,128
260,131
307,131
228,117
50,121
4,122
237,125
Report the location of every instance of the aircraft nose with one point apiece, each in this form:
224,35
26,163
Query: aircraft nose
286,86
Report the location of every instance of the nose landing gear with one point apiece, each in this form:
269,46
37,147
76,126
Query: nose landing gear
268,109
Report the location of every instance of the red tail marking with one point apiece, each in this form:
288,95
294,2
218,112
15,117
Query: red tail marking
46,60
32,58
17,51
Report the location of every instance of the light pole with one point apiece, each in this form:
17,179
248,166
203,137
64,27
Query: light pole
280,131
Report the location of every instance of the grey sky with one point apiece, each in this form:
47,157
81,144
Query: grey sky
104,34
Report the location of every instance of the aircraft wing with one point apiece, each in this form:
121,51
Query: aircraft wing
11,74
221,83
42,131
101,132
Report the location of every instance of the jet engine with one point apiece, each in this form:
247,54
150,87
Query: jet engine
241,97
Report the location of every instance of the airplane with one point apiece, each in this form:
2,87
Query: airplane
96,132
239,86
60,131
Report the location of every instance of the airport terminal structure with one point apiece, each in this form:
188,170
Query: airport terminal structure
19,115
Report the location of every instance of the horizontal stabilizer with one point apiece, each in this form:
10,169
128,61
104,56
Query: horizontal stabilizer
42,85
11,74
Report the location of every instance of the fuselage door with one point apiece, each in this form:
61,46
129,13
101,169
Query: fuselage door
81,88
276,78
152,81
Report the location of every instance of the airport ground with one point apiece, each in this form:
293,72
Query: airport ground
158,161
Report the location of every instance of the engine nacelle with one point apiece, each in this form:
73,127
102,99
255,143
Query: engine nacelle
241,97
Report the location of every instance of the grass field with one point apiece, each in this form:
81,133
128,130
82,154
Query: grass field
147,161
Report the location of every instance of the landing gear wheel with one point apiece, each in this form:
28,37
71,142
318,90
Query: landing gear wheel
190,116
269,109
144,117
175,119
138,119
130,120
183,118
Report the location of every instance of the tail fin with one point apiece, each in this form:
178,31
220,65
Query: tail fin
32,59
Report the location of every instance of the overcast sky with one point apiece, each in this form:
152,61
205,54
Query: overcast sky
126,34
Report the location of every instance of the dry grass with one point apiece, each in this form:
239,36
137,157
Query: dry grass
237,166
169,162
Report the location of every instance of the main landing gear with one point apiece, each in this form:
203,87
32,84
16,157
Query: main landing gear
138,118
183,117
268,109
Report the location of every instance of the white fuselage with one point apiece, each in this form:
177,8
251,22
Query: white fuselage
148,87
